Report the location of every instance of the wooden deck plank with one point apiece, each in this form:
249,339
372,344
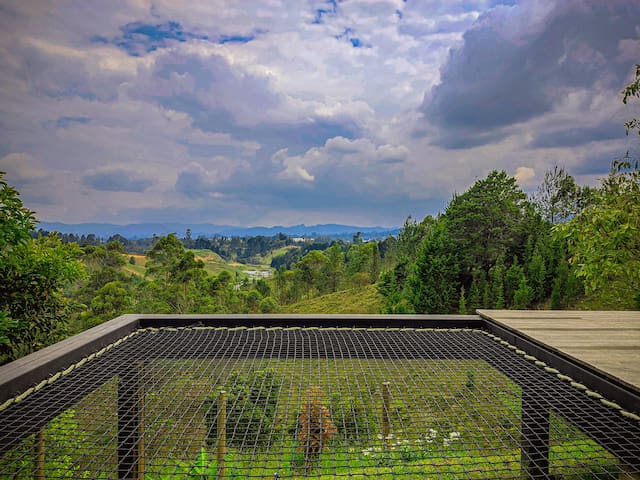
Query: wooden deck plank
610,361
610,341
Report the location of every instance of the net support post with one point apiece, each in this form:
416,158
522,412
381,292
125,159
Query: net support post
221,444
627,473
131,425
386,409
39,455
535,436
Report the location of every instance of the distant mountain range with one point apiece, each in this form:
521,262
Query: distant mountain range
146,230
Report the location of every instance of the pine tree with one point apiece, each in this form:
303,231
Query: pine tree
536,274
462,304
474,294
523,296
512,281
497,283
556,295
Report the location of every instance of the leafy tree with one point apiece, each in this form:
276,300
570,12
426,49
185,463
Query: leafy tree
16,221
558,197
32,276
334,267
310,270
111,300
604,238
163,256
268,305
632,91
253,300
263,287
33,272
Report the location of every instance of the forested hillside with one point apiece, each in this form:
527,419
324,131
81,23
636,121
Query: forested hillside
495,248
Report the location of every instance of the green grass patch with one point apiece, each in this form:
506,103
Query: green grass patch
356,300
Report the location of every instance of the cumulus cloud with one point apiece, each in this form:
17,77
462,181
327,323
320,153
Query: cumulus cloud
524,175
517,63
117,180
359,163
282,111
21,169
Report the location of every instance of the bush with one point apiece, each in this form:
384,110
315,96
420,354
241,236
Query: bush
315,427
252,400
268,305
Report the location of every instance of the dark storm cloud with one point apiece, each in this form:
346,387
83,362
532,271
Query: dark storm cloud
117,181
501,76
574,137
195,182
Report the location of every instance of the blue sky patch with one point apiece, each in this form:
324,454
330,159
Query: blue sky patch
139,38
66,122
349,35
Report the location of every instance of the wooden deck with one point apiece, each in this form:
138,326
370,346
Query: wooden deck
609,341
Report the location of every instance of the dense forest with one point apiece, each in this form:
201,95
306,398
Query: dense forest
493,246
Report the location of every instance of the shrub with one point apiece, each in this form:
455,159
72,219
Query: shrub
252,400
315,427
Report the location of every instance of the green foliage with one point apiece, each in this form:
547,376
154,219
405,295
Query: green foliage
432,285
604,238
16,221
512,279
487,221
111,300
268,305
523,296
334,267
263,287
536,274
558,198
462,303
556,295
632,91
253,299
250,426
32,276
497,283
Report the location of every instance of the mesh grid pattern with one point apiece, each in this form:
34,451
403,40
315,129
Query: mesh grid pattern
318,403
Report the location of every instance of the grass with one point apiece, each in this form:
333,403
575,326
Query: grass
356,300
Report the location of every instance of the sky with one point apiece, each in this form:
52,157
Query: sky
280,112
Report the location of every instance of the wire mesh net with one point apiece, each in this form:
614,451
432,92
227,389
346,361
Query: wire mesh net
318,403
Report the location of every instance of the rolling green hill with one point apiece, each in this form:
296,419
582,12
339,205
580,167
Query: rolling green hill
213,264
357,300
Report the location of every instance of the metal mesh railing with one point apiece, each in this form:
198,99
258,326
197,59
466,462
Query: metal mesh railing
314,402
